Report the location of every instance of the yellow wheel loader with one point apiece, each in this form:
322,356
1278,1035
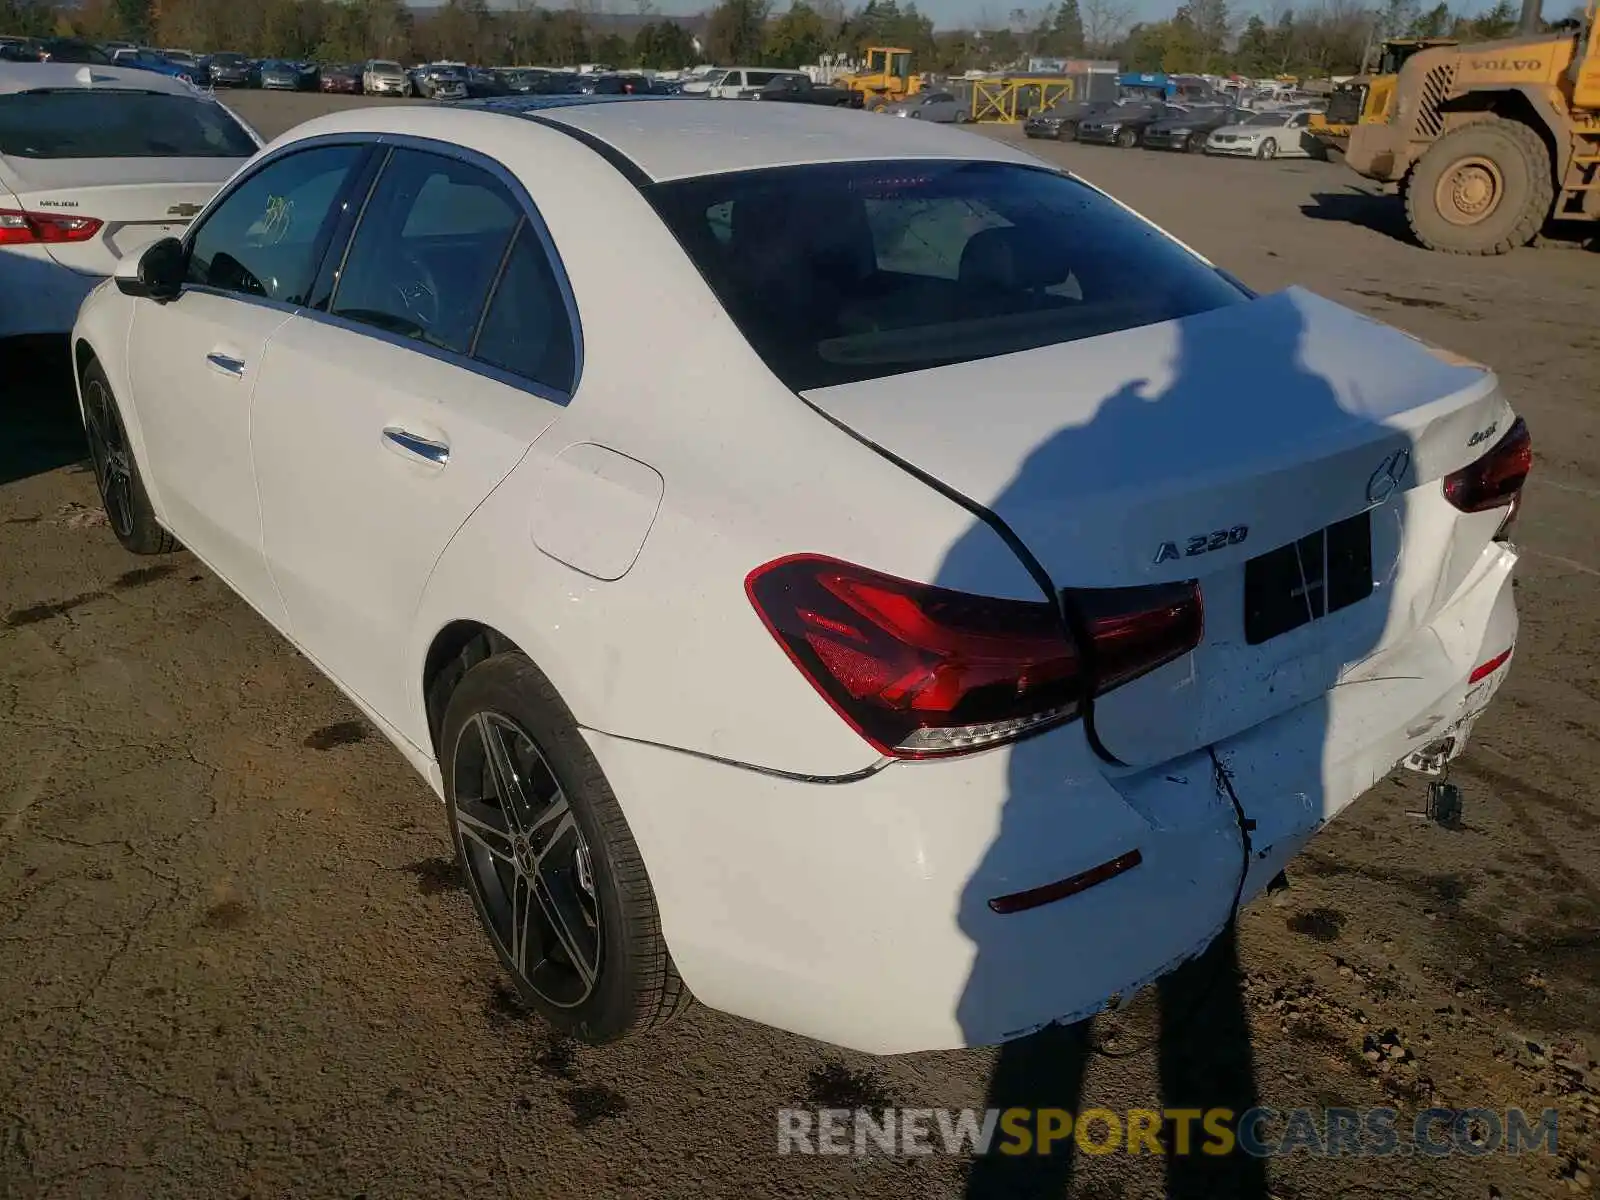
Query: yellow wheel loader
1488,142
1366,98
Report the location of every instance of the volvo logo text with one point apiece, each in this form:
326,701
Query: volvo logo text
1386,479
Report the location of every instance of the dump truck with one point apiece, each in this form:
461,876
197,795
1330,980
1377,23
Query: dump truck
885,78
1365,98
1488,142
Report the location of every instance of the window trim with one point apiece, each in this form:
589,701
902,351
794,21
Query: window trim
362,175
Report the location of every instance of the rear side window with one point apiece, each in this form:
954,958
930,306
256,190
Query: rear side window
527,330
427,251
842,272
118,124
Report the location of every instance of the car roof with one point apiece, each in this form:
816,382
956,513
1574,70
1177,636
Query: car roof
668,137
31,77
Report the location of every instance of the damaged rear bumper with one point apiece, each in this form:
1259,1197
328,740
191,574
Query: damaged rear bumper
859,911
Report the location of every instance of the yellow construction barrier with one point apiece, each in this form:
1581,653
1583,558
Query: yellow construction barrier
1007,99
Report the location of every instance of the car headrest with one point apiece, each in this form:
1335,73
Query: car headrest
1011,258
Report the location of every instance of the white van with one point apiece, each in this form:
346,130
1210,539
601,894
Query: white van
742,82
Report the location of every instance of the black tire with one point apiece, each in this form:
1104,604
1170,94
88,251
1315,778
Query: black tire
1195,143
960,117
1068,131
116,470
1127,138
1268,149
1507,157
634,983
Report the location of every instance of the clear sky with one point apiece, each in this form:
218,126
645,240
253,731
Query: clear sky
955,13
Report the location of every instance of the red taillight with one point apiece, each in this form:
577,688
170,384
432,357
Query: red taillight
1497,477
31,228
923,671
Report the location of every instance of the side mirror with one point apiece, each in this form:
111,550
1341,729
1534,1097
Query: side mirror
155,271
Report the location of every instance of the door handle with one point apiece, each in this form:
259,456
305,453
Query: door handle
226,363
416,446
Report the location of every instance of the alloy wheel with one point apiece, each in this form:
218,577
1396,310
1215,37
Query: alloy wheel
108,452
526,859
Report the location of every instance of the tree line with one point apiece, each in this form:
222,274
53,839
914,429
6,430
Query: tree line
1320,37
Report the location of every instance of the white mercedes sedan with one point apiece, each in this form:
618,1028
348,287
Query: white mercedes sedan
96,162
848,571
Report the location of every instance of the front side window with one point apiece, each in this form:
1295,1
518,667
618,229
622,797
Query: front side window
427,251
82,123
263,239
842,272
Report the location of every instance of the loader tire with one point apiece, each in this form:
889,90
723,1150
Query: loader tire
1485,188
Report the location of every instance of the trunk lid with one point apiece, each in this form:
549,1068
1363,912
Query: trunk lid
152,198
1187,449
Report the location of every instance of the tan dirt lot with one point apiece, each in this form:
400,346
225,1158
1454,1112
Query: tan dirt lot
235,960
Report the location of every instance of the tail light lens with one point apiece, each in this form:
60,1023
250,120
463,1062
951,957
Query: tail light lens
924,672
32,229
1497,477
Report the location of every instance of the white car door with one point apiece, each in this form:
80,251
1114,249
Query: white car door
195,360
387,415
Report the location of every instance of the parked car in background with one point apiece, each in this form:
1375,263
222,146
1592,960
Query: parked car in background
909,647
666,87
1188,131
617,84
155,62
281,75
442,81
482,83
1124,124
341,78
15,48
517,81
699,81
228,69
1284,134
739,83
1060,120
94,162
72,50
798,89
384,77
941,107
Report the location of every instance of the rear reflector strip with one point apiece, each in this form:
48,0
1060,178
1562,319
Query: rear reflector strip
1484,670
1062,888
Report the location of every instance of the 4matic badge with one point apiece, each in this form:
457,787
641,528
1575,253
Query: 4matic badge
1203,543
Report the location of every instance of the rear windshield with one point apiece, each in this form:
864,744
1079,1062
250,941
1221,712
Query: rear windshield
118,124
842,272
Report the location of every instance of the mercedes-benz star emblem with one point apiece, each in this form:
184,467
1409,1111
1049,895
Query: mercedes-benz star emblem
1386,479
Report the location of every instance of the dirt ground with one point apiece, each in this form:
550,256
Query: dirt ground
235,959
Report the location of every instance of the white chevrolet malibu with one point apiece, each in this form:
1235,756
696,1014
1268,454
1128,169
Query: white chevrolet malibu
849,571
94,163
